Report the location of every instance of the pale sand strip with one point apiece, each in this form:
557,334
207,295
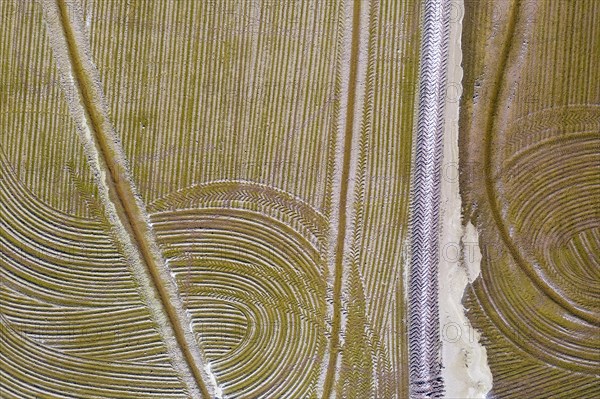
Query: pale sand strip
465,370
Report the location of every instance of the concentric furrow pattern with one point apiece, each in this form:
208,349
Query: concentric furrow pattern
424,339
31,369
252,284
264,146
72,317
529,173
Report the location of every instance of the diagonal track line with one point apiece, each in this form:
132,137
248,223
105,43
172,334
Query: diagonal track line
124,208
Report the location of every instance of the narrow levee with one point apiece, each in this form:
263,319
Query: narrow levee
123,206
342,204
